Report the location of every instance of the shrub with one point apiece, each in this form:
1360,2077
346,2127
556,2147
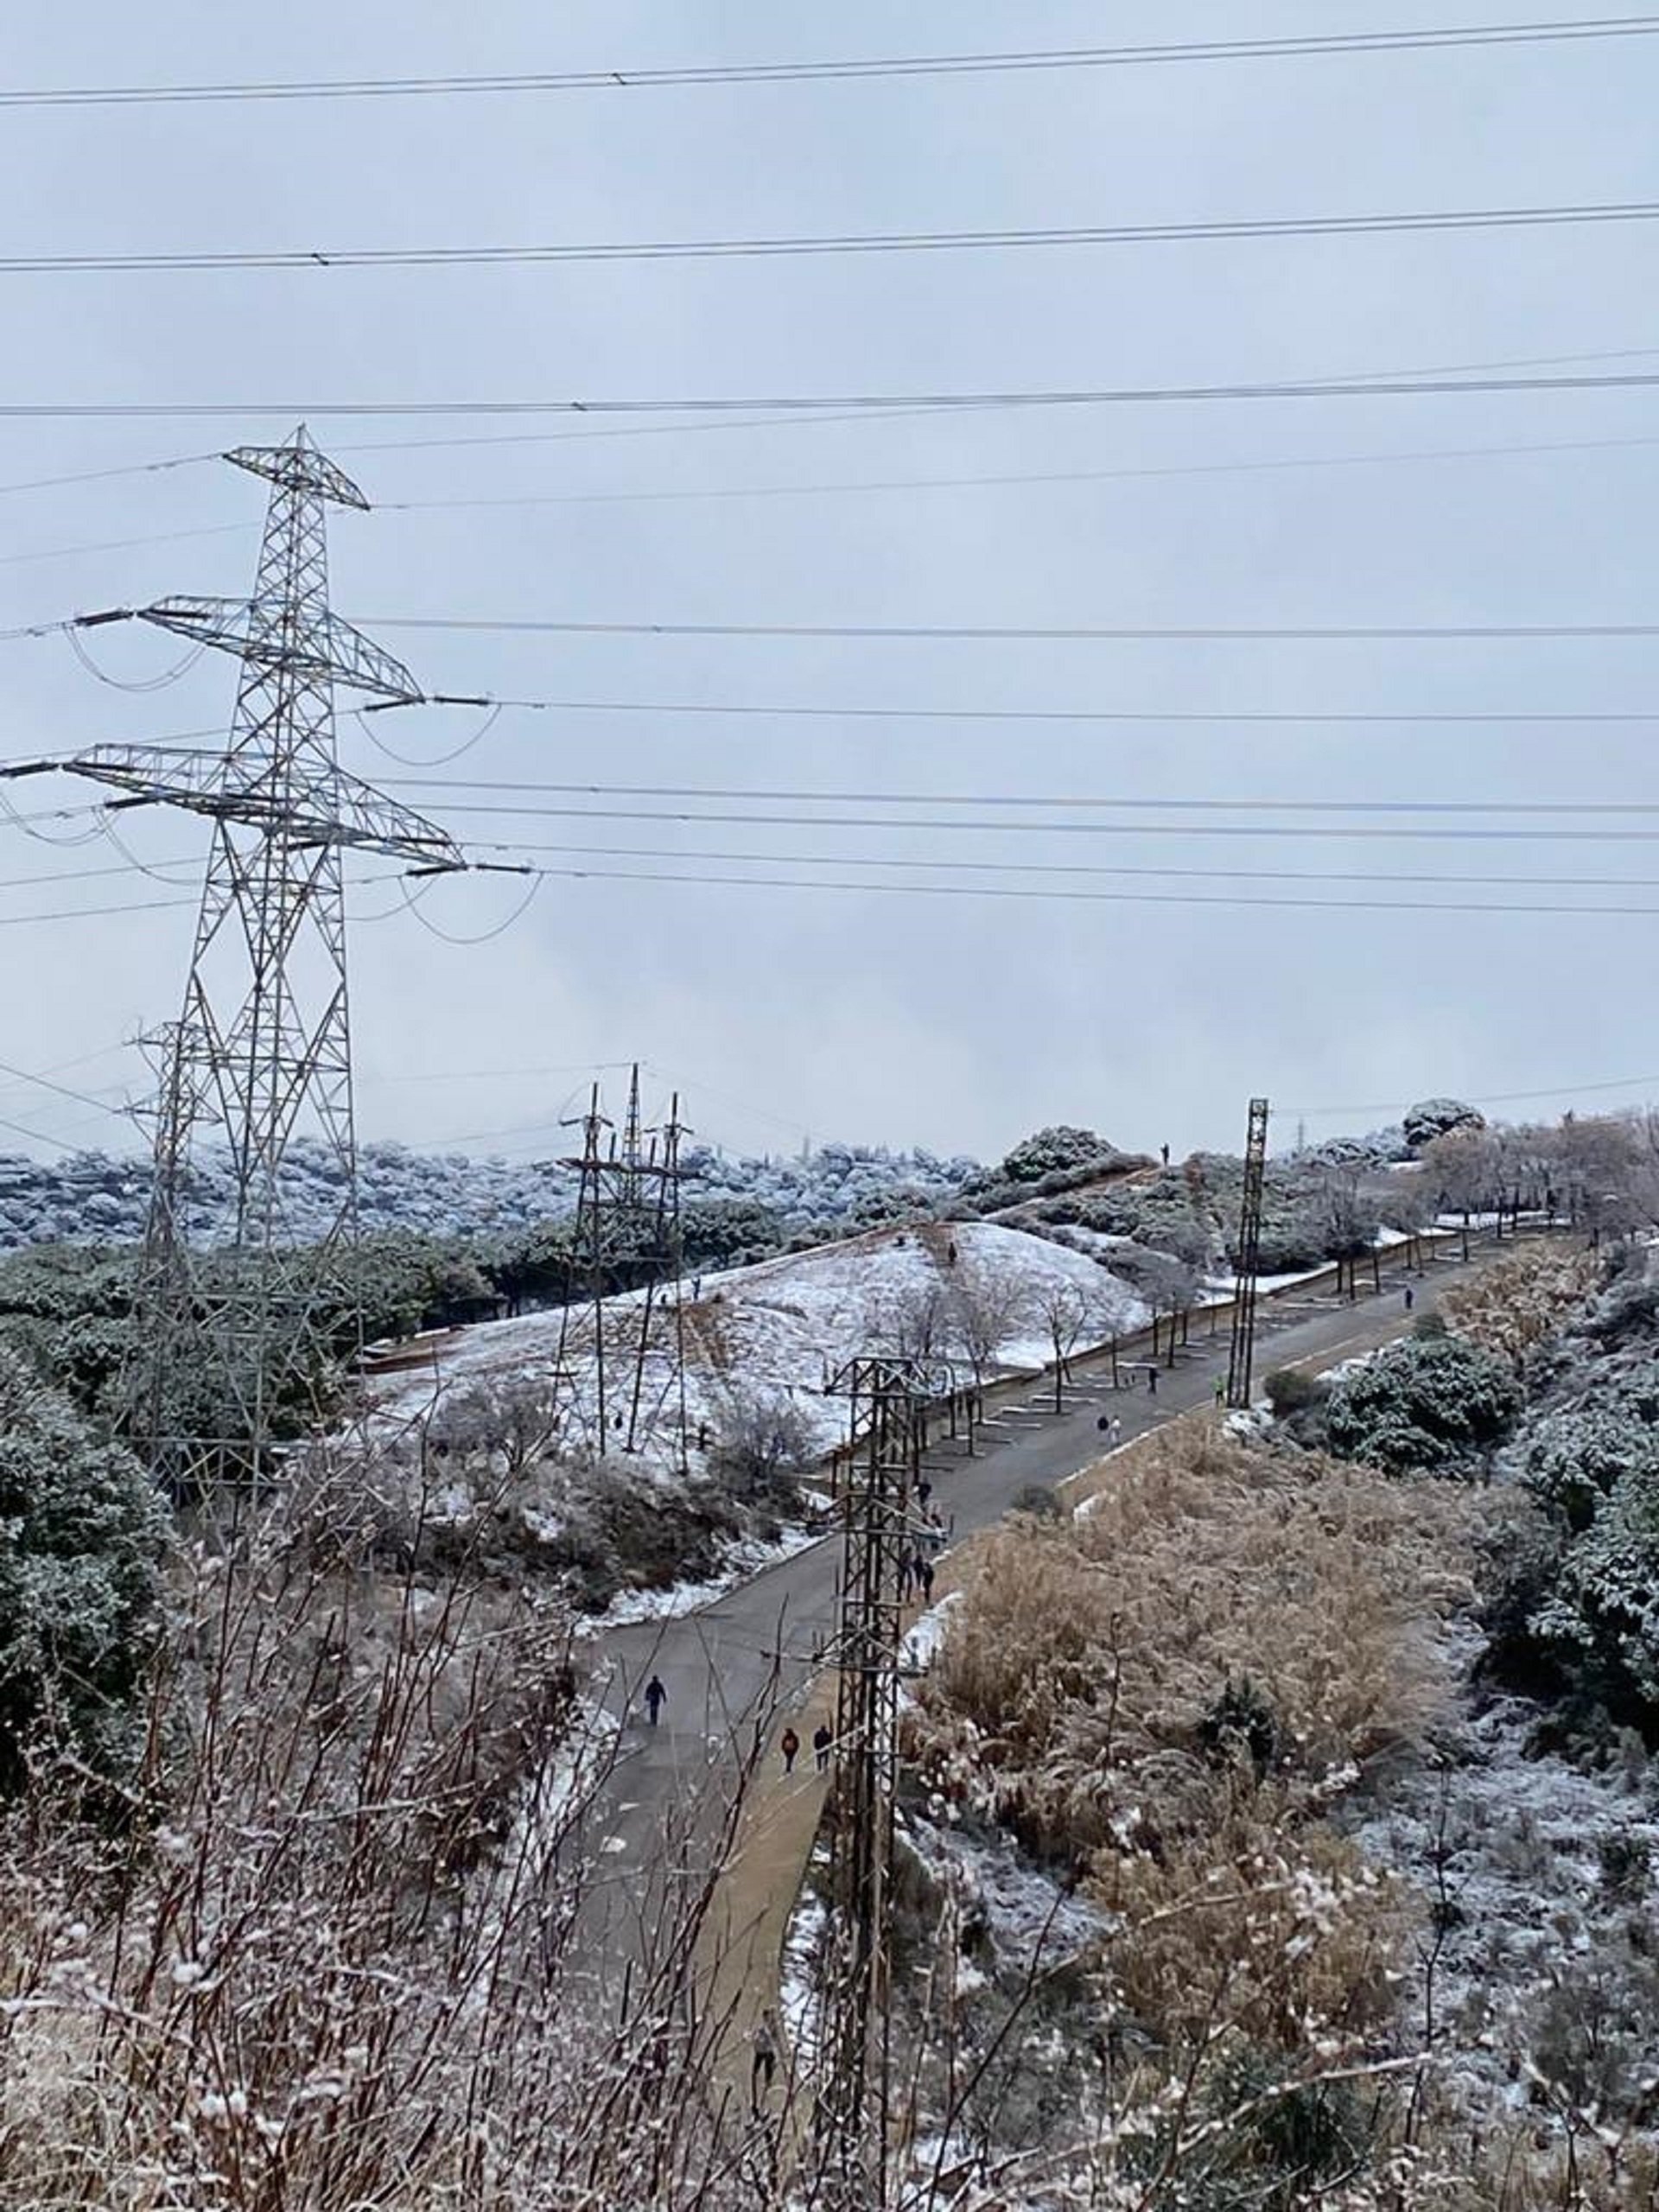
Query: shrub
765,1441
1058,1148
1428,1405
1242,1718
1037,1499
1289,1390
81,1536
1601,1618
1571,1462
1437,1117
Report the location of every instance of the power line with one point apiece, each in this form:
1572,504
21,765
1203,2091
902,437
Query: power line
1103,897
125,545
1460,833
1490,1098
844,405
1094,868
62,1091
992,482
845,70
1036,633
846,242
1103,801
800,711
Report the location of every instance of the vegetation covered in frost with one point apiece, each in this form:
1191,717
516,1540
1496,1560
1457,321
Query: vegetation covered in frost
81,1538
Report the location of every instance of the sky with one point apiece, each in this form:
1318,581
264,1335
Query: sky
961,1014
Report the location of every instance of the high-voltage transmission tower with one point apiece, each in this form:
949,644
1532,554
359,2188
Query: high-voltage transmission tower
626,1237
229,1339
890,1399
1247,1263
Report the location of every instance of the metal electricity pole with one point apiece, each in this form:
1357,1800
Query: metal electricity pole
1247,1263
890,1396
229,1339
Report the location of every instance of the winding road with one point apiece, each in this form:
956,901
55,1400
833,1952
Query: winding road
734,1668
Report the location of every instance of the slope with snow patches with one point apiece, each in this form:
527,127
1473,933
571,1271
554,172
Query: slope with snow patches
780,1329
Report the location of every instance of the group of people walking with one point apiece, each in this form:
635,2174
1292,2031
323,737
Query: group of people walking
823,1737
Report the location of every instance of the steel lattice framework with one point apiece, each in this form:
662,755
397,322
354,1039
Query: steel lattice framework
1246,1266
264,1045
890,1399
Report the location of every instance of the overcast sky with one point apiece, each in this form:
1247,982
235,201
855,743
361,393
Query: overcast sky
897,1016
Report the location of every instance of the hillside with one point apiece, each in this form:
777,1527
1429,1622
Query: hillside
96,1198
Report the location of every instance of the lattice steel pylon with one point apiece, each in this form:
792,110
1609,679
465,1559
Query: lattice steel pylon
890,1395
1247,1264
228,1338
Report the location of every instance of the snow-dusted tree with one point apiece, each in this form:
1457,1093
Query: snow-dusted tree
1051,1151
81,1535
987,1306
1170,1286
517,1421
913,1319
763,1439
1073,1311
1437,1117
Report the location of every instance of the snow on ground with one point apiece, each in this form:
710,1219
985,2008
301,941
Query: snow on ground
779,1329
741,1561
1029,1918
925,1635
1542,1874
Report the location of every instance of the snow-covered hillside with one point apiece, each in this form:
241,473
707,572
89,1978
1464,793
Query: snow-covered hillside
92,1198
781,1329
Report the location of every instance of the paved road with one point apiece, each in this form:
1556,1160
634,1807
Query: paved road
729,1667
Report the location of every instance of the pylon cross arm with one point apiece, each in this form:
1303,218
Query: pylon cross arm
298,466
344,811
326,650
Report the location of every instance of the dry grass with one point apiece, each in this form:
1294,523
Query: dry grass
1168,1695
1078,1676
326,1958
1519,1301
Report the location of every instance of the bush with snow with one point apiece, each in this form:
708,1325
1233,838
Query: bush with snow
1438,1117
81,1537
1428,1405
1572,1461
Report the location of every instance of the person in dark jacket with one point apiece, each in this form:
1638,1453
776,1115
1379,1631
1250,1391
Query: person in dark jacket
789,1743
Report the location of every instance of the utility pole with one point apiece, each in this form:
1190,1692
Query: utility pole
1247,1260
890,1395
228,1342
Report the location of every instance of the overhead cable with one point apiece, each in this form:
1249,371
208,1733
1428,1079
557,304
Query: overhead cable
851,405
1044,633
815,711
1108,898
1093,802
844,69
156,262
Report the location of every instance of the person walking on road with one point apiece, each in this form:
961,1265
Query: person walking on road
789,1743
1117,1432
922,1568
656,1698
821,1739
1411,1297
1221,1394
764,2066
1152,1381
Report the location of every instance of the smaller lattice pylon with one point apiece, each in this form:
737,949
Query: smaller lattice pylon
1247,1263
890,1394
